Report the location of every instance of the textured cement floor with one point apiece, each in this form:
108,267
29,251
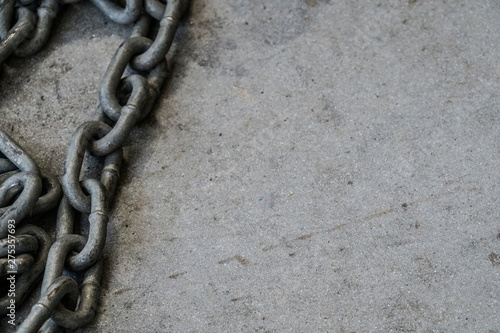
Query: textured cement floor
311,166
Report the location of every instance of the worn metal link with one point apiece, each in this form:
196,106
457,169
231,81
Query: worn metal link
98,220
23,191
16,154
114,73
24,187
127,94
129,115
31,188
22,243
63,286
76,152
45,14
168,25
32,29
21,264
25,24
51,195
26,281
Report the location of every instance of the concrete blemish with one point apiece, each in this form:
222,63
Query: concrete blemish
303,237
494,258
242,260
175,276
311,3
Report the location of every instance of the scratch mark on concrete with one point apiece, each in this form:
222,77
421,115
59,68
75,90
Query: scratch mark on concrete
242,260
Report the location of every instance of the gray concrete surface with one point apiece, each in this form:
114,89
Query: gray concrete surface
311,166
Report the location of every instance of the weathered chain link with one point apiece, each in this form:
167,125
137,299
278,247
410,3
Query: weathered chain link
30,275
128,91
32,28
23,192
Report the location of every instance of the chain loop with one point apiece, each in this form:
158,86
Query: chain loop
22,243
115,71
21,264
172,13
27,280
63,286
98,219
46,13
129,115
19,32
16,154
76,152
89,297
31,188
51,195
7,8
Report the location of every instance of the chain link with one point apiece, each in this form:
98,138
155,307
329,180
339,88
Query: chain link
32,29
27,280
127,93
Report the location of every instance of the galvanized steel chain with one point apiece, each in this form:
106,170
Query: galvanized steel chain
33,23
24,191
128,91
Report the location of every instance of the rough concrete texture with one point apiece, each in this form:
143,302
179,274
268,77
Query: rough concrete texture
311,166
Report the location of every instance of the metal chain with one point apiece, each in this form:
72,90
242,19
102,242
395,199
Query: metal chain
128,91
32,28
24,191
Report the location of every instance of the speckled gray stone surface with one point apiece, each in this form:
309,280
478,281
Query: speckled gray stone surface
311,166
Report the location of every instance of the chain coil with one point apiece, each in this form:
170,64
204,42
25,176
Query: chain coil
127,94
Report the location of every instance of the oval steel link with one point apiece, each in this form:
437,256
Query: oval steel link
7,8
22,244
22,206
20,31
46,13
114,73
55,265
27,281
11,192
168,26
16,154
87,306
51,197
98,220
121,15
76,152
130,114
63,286
58,254
22,263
